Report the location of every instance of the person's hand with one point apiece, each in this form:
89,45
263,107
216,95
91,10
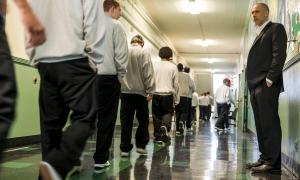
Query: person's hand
269,84
149,98
35,32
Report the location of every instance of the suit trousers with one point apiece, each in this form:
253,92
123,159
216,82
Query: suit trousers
8,89
131,104
264,101
108,100
65,86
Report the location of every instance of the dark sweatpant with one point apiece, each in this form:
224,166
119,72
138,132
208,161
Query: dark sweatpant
65,86
7,87
223,111
181,111
131,104
108,95
162,111
189,118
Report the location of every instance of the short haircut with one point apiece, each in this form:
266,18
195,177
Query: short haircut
165,52
107,4
226,80
179,67
187,69
264,6
137,39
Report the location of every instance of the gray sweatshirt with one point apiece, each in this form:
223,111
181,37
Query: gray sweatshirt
192,87
186,84
115,50
74,29
140,75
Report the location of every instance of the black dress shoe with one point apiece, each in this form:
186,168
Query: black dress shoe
266,169
255,164
266,176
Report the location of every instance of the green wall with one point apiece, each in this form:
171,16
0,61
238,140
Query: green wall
27,112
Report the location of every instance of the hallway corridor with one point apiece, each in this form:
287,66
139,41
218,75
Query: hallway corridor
200,154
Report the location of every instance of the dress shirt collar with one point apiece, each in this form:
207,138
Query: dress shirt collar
260,28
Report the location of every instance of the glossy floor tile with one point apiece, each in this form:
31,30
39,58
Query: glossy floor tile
199,154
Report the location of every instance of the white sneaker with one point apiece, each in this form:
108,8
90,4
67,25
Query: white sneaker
219,129
77,168
99,168
124,154
48,172
142,151
106,164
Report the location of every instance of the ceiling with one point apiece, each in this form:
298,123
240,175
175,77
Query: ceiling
221,22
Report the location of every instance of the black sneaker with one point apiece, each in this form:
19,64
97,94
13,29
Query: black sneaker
181,128
164,135
158,140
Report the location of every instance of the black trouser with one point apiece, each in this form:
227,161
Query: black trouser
223,112
208,112
181,111
194,114
202,112
162,110
264,101
7,87
189,118
108,101
66,86
205,113
131,103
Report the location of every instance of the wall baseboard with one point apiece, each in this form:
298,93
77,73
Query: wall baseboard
291,165
29,140
288,163
22,141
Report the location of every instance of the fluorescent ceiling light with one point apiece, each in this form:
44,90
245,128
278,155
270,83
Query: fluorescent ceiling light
192,6
204,43
211,60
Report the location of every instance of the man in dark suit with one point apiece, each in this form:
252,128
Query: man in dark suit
264,75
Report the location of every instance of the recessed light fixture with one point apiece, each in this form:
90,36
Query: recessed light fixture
211,60
203,42
192,6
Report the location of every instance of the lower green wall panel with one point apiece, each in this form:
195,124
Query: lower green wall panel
27,112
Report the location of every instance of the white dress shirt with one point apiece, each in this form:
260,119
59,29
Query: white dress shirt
258,31
223,95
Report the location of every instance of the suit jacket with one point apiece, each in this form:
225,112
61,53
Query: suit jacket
267,56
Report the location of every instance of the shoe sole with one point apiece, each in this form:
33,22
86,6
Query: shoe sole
104,169
142,153
270,171
160,143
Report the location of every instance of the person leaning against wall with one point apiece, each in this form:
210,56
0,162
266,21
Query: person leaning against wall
110,73
36,36
265,82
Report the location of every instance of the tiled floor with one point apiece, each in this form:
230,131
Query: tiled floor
200,154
